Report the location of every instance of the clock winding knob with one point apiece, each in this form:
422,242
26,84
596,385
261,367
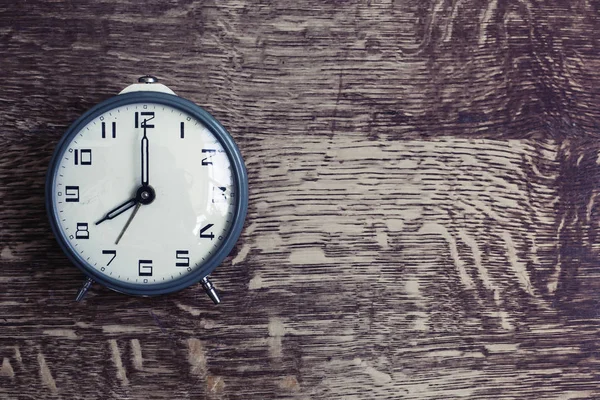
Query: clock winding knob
148,79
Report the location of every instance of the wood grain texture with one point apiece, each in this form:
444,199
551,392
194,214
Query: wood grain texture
423,201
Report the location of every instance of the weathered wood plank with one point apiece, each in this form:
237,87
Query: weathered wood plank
389,69
413,268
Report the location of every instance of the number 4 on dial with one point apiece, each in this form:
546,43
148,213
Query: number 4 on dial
210,235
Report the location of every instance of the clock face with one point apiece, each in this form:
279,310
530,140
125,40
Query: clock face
144,194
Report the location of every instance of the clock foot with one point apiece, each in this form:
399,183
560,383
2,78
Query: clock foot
84,289
210,290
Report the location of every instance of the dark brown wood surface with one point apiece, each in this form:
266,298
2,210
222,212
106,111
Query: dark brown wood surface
423,221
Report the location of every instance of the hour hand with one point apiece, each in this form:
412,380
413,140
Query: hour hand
119,210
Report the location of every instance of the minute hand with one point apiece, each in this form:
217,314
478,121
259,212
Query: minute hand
145,161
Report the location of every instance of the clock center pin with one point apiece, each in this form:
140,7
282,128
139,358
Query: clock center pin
145,195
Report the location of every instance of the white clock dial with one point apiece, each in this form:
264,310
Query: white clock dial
101,168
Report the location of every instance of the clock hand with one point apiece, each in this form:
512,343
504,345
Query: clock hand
145,192
119,210
145,156
135,210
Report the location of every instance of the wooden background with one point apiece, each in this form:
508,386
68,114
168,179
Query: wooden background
424,211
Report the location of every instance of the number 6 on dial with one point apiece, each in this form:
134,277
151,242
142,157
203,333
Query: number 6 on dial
145,267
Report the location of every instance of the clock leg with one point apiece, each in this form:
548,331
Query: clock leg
84,289
210,290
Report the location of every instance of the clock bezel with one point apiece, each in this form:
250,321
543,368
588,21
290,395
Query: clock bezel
240,182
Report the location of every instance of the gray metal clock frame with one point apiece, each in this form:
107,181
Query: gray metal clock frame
240,182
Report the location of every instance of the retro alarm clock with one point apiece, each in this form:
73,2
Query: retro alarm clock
147,193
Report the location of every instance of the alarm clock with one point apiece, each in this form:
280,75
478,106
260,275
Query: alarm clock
147,193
